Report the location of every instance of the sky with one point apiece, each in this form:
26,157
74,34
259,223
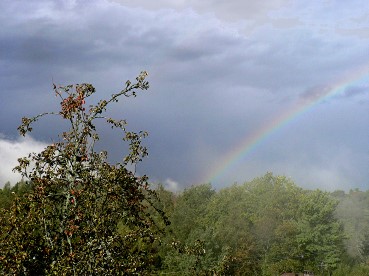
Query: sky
237,88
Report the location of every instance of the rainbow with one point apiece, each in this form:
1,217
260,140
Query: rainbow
304,104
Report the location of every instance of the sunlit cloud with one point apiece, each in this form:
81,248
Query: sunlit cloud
171,185
10,151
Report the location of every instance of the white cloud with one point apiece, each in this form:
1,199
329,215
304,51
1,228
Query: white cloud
171,185
10,151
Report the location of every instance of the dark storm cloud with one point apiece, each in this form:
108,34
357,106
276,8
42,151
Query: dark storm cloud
315,92
354,91
212,82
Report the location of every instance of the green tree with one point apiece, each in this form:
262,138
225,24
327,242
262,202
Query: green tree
6,196
8,193
82,215
274,201
320,235
229,222
190,208
188,237
353,211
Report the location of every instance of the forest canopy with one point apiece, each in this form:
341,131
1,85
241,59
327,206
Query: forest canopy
260,227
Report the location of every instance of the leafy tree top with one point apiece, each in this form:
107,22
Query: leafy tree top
82,215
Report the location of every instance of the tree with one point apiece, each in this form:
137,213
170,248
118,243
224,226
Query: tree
228,225
82,215
352,210
274,201
8,193
187,238
320,235
6,196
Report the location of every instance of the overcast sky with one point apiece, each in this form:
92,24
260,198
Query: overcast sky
219,72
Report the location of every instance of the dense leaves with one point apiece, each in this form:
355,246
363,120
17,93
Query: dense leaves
81,215
263,227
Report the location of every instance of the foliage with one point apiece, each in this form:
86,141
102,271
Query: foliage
263,227
353,210
186,250
352,270
321,234
82,215
8,193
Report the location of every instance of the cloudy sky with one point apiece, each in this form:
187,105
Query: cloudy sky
291,77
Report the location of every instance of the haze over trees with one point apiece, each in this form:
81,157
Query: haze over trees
77,214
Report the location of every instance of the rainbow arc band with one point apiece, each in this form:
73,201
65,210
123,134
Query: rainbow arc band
248,143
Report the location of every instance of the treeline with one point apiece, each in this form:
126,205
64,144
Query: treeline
262,227
267,226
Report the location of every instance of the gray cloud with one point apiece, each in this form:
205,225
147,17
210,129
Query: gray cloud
229,10
212,83
355,91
